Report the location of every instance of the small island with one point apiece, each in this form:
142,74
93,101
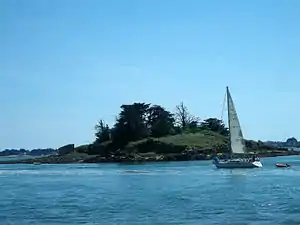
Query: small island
144,132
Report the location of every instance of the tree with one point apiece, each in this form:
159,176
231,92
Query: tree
215,125
131,124
102,132
160,122
194,126
183,118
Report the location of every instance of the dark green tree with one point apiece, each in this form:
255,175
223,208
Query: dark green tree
160,122
131,124
102,132
215,125
194,126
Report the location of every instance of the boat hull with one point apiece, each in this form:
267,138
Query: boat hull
237,164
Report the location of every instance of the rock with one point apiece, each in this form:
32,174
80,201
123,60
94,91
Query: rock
66,149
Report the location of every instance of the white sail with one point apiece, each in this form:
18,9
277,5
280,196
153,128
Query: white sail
237,142
236,136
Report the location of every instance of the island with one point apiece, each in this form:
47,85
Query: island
145,132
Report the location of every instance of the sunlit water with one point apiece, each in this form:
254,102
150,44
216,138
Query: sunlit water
165,193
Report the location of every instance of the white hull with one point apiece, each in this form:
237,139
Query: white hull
232,164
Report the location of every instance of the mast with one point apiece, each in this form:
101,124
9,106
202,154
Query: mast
228,118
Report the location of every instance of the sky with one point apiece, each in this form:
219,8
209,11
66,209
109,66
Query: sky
66,64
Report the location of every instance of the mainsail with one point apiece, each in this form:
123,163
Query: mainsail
237,142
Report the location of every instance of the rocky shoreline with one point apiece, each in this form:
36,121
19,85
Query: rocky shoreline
76,158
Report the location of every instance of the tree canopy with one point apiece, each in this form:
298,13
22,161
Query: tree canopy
138,121
102,132
215,125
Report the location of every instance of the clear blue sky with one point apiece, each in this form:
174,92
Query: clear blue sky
66,64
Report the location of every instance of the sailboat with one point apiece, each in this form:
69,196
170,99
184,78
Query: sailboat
237,145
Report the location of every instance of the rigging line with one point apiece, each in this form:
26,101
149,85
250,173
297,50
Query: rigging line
223,106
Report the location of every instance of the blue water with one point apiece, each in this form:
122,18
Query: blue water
170,193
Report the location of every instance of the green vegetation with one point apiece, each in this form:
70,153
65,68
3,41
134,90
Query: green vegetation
144,130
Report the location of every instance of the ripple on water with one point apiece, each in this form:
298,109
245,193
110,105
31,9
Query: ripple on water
162,193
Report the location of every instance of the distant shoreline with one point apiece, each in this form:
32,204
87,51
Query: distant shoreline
11,156
81,158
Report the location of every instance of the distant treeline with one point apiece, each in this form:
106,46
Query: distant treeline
289,143
33,152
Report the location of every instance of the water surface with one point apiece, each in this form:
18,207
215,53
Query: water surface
164,193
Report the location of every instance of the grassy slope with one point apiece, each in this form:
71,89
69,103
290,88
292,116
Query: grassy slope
204,139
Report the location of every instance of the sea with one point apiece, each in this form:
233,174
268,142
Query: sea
192,192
